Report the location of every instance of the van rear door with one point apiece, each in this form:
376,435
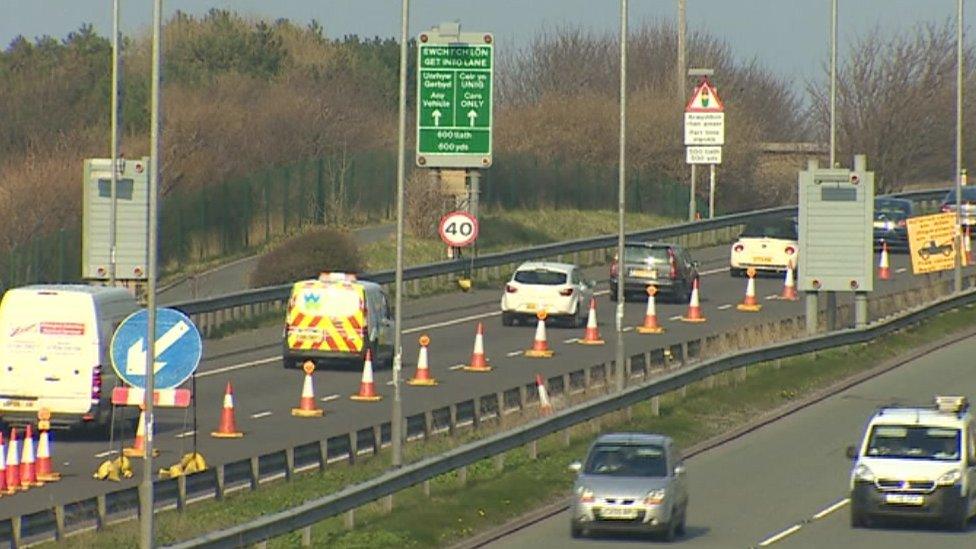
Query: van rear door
327,316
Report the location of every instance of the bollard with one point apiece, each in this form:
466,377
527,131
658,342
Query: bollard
220,485
307,536
350,521
463,475
655,406
533,450
388,503
499,462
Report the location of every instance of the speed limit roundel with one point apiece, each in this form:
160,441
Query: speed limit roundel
458,229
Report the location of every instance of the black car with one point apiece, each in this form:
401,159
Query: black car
666,266
968,201
890,222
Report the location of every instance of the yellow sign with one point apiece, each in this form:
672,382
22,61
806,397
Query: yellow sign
930,242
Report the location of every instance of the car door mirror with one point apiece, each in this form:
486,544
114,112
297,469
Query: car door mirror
851,452
576,466
679,470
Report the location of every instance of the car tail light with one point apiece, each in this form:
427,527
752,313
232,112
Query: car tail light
567,292
96,392
738,247
945,208
902,223
790,250
673,263
613,268
510,289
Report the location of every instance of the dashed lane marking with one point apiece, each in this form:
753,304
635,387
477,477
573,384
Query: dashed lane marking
831,509
901,270
675,317
723,307
328,398
457,367
186,434
793,529
571,340
773,539
106,453
260,415
773,296
628,328
514,353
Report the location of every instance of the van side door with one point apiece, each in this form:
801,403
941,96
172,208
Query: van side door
386,324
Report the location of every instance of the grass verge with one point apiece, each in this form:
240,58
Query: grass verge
493,497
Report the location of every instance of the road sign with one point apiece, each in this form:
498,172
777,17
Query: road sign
931,242
454,99
836,215
703,155
458,229
178,349
705,117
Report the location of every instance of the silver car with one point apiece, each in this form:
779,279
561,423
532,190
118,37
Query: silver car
631,482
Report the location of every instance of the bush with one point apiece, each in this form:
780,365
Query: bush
306,256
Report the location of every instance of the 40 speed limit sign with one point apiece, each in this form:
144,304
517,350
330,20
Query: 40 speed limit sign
458,229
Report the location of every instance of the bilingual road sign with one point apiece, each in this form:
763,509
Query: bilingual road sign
454,99
178,349
930,242
705,117
458,229
703,155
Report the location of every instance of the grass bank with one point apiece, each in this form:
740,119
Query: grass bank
491,497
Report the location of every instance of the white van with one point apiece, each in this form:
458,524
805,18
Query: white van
916,463
54,351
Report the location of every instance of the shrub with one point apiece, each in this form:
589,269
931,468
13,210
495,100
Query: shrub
306,255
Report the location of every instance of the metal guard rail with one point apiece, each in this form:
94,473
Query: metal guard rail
314,511
280,293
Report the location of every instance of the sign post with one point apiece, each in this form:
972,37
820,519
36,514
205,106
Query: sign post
705,135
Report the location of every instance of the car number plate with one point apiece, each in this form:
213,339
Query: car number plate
17,404
886,225
762,259
618,513
644,273
905,499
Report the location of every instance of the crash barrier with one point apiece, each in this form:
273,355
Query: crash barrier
657,370
212,313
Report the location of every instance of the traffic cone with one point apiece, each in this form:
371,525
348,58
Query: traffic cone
789,285
478,361
45,466
422,377
749,304
367,388
228,424
3,466
28,473
968,246
540,347
306,405
12,472
884,270
592,334
138,449
694,313
650,325
545,407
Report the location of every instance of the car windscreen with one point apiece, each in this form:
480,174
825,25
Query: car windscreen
781,228
914,442
541,277
968,195
627,460
645,255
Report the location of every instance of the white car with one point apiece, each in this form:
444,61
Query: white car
556,288
768,245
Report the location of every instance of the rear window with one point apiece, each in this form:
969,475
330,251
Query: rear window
783,229
334,301
968,195
542,277
649,256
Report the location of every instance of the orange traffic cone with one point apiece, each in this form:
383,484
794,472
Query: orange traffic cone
28,474
650,325
749,304
12,472
478,361
3,466
422,377
789,285
228,424
45,466
968,246
694,313
367,388
884,270
306,405
540,347
592,334
138,449
545,407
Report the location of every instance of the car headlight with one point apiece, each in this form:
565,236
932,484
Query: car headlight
863,473
655,497
585,495
949,478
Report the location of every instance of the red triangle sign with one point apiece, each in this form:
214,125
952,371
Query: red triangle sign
705,99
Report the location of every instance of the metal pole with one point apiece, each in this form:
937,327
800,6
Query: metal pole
811,313
711,191
474,192
146,499
692,206
860,309
112,215
682,38
396,426
621,198
957,272
833,82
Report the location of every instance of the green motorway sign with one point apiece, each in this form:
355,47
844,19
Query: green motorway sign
454,100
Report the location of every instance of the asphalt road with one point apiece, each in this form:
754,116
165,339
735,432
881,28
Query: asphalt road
265,392
752,491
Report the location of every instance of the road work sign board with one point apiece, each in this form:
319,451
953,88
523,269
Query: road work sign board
177,351
132,219
931,242
454,99
705,117
836,211
703,155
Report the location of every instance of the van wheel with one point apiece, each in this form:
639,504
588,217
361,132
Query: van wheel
576,532
959,520
508,319
859,519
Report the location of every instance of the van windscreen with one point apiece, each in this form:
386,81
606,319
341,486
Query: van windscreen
914,442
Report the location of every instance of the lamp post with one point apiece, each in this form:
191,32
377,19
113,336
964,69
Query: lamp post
621,200
957,273
396,420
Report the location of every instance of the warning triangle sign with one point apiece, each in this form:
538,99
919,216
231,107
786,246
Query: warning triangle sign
705,99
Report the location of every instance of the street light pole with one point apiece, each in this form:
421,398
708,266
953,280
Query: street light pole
621,198
396,420
833,82
957,272
682,38
113,193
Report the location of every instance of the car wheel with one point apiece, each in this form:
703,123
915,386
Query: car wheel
737,273
579,320
613,292
958,521
508,319
576,532
859,519
680,529
670,533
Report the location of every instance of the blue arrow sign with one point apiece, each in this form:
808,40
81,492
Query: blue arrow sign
178,348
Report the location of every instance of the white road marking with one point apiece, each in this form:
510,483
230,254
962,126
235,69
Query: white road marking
106,453
461,320
571,340
186,434
714,271
723,307
774,296
457,367
901,270
259,415
773,539
675,317
389,382
514,353
831,509
241,366
628,328
328,398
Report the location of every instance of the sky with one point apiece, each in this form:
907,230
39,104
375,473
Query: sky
791,37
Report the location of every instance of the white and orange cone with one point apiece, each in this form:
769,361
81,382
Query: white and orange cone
28,473
540,345
789,285
749,303
884,269
650,325
694,313
479,363
307,406
12,472
138,449
545,406
367,387
3,466
592,334
422,378
45,466
227,428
